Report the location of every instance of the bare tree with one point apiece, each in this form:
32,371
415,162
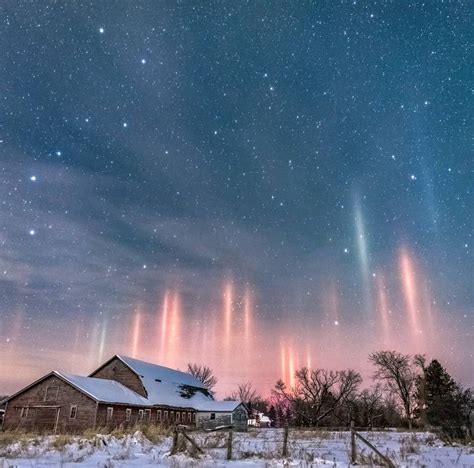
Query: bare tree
318,393
371,404
247,394
396,370
204,374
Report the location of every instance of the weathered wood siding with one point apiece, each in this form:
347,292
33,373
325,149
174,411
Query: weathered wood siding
149,416
40,414
118,371
238,419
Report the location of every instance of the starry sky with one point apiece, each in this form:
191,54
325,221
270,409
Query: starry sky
257,186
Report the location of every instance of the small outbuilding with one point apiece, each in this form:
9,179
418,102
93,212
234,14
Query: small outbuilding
213,414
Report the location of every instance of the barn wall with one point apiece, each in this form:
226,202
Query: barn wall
41,414
118,371
119,416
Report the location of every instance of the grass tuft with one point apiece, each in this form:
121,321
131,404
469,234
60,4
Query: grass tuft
60,441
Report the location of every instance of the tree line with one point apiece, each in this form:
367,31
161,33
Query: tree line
407,391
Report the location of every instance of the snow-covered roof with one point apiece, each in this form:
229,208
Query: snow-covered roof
166,386
217,406
103,390
150,373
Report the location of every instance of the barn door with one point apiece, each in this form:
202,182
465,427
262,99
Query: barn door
45,419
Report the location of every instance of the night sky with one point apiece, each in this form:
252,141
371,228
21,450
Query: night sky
256,186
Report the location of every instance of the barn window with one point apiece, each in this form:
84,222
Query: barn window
140,415
178,416
24,413
110,413
194,417
213,415
189,417
158,415
165,414
51,394
73,412
128,414
183,417
147,415
172,416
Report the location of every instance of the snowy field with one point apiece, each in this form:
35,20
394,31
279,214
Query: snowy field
256,448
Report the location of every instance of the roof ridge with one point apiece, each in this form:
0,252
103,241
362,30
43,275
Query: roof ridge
125,359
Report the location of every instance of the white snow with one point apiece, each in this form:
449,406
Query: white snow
256,448
151,373
216,406
105,390
163,387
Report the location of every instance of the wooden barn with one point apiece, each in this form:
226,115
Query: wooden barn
121,392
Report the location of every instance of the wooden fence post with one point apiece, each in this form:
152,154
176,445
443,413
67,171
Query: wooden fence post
174,447
190,439
229,446
284,452
353,444
387,460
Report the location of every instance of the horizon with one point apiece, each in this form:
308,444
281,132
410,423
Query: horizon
253,187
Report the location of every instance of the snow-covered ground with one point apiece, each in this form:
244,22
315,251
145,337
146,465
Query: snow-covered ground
256,448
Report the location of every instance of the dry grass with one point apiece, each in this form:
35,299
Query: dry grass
60,441
214,440
14,442
409,445
369,459
12,437
320,434
154,433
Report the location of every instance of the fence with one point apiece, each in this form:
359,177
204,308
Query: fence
276,443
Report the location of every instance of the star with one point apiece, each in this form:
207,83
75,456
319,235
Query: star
336,322
101,30
58,153
33,178
346,250
143,61
413,177
32,232
125,125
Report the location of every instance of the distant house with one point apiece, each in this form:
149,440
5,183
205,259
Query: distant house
259,419
121,392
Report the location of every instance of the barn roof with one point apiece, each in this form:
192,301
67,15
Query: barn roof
104,391
101,390
150,373
165,386
169,387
